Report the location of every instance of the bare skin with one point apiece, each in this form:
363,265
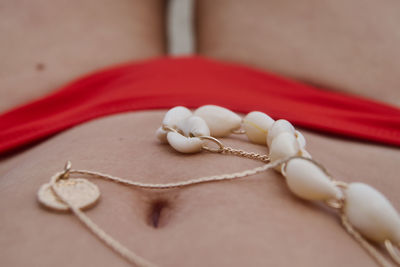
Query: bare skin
45,44
350,47
249,222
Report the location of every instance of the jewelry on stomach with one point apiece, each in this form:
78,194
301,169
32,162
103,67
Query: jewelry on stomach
365,213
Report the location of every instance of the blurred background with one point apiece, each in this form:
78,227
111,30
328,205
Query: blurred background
180,27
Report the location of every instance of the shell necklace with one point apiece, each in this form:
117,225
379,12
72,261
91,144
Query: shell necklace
365,213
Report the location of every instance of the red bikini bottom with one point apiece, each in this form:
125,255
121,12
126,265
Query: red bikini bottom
192,82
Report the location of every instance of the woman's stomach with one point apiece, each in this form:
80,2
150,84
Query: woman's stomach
253,221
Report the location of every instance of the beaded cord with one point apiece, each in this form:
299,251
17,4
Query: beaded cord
190,132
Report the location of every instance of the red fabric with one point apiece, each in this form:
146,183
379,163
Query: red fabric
192,82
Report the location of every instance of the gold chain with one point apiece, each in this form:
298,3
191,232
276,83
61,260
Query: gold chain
232,151
245,154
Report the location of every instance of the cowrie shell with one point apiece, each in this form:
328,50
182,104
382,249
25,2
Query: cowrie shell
175,115
300,138
307,180
184,144
283,146
161,135
304,153
194,126
220,121
171,119
371,213
256,125
279,126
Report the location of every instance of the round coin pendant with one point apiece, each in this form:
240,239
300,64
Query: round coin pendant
80,192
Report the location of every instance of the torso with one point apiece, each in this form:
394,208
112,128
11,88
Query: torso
250,222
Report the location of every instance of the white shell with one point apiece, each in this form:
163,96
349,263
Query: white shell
279,126
171,119
309,181
371,213
184,144
257,125
221,121
194,126
300,138
161,135
283,146
175,115
304,153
